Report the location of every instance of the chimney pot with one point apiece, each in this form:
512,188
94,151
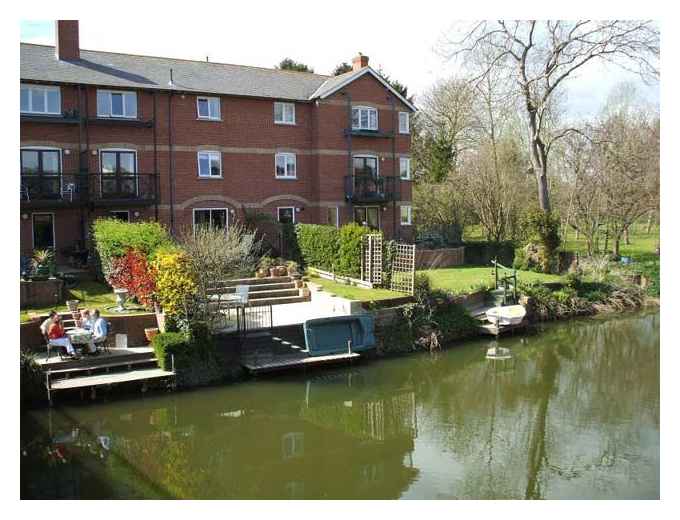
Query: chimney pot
359,62
67,40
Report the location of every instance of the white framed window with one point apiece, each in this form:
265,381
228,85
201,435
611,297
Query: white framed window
364,118
208,107
404,123
40,99
285,215
406,214
284,113
211,217
286,166
209,164
405,168
116,103
333,216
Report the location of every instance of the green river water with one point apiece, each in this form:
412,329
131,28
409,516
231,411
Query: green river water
575,414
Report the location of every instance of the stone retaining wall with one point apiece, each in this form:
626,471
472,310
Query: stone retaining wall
40,293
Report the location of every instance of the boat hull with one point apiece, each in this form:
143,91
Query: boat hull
326,336
509,315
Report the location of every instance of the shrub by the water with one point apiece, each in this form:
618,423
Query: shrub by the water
175,280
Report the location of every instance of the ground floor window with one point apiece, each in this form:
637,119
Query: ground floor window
210,217
43,231
405,212
123,216
286,215
367,216
332,216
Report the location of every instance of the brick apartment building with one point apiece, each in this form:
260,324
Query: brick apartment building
188,142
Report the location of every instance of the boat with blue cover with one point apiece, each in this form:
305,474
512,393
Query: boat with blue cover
326,336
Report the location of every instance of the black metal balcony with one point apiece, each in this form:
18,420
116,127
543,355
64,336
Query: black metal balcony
369,188
41,190
68,117
355,132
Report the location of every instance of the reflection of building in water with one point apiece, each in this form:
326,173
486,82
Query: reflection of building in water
333,442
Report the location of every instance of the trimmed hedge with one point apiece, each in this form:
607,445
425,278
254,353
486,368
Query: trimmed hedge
318,245
482,252
332,249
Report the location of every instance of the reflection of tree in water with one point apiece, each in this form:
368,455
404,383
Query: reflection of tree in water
557,417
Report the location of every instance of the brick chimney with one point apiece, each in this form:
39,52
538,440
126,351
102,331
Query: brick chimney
359,62
68,44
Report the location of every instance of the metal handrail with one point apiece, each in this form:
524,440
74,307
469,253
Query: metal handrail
505,279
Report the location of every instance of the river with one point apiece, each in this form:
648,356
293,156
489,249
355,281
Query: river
574,414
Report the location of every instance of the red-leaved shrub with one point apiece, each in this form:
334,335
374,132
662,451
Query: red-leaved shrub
132,272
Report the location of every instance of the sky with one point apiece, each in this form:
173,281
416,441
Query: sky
407,55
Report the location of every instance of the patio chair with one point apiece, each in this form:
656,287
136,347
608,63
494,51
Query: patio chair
67,190
242,292
105,344
24,192
49,347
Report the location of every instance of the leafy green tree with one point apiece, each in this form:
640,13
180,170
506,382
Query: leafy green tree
342,68
290,64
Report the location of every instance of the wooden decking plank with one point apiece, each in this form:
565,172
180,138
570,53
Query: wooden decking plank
267,366
85,368
108,379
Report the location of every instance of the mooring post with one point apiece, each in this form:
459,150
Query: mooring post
47,384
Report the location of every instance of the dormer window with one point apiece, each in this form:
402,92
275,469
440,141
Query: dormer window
40,99
111,103
208,107
364,118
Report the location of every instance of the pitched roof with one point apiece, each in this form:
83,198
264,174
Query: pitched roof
111,69
38,62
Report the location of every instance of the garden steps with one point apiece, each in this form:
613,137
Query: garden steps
231,289
276,293
256,281
278,300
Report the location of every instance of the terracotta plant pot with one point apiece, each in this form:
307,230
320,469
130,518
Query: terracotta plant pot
299,284
72,305
261,273
151,333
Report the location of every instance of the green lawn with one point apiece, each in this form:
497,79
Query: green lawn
92,295
641,242
464,278
354,293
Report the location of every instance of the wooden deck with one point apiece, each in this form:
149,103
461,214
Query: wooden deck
109,379
255,366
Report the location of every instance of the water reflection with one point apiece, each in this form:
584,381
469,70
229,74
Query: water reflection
576,414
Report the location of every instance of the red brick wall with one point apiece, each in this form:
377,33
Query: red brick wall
247,138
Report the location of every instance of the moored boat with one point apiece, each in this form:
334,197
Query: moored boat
507,315
326,336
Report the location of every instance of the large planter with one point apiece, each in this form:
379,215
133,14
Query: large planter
121,297
278,271
72,305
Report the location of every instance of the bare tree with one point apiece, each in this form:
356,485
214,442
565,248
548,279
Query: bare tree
541,56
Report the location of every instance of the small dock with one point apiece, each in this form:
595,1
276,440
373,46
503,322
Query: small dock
285,349
109,368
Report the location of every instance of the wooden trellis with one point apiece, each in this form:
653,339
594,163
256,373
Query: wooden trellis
403,268
372,258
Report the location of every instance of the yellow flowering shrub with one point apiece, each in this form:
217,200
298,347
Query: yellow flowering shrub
174,278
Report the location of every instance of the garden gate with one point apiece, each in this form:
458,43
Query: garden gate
403,268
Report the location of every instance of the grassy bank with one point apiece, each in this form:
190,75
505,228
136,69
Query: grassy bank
464,278
354,293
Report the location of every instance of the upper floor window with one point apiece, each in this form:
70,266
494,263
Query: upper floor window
404,127
284,113
112,103
209,164
405,168
286,167
364,118
208,107
40,161
40,99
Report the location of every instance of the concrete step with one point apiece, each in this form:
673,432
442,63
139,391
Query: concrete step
256,281
231,289
278,300
260,295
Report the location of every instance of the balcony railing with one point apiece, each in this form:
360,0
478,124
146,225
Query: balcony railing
355,132
368,188
83,188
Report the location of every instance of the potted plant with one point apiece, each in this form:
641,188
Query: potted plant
72,305
293,269
279,268
266,266
43,260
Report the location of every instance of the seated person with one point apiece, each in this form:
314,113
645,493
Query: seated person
86,320
45,325
100,328
57,336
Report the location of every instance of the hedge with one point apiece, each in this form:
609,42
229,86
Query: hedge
482,252
332,249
